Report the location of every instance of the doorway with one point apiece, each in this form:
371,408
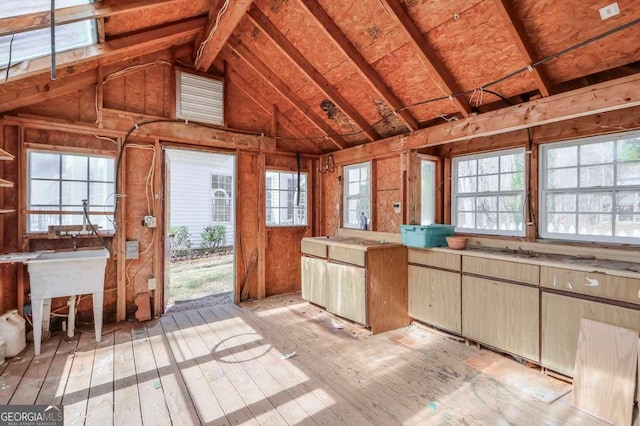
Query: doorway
200,222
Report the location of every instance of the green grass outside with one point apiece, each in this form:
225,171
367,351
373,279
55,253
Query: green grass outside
195,278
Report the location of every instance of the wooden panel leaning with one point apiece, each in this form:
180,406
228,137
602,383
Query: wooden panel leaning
502,315
436,259
605,371
560,326
435,297
346,292
314,248
591,283
314,285
347,255
491,267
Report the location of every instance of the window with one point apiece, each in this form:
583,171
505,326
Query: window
357,195
221,198
37,43
199,98
427,192
59,182
488,193
286,201
590,189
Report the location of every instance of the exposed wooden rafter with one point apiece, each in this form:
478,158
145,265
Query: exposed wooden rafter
516,29
216,36
289,50
428,55
365,69
281,87
117,50
245,87
68,15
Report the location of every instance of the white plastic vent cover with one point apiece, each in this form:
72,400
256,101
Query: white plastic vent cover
199,98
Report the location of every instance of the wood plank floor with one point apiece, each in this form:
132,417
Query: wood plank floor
227,364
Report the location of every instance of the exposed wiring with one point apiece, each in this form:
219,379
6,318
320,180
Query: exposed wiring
85,208
149,190
221,12
6,74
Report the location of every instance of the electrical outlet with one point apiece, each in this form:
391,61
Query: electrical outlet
609,11
151,284
149,221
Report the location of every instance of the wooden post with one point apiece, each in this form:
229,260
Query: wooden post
121,237
532,214
373,223
99,98
22,242
446,190
158,211
262,226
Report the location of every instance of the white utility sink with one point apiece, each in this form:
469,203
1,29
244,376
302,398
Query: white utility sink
62,274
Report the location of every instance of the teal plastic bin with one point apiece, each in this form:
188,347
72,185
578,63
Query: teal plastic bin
426,236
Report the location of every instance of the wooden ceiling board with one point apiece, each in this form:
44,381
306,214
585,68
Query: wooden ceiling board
242,113
478,48
573,22
430,14
157,16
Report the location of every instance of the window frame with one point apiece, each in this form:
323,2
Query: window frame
455,194
97,210
613,190
305,193
346,197
213,198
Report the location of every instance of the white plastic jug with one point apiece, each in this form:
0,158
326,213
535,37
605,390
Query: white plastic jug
12,330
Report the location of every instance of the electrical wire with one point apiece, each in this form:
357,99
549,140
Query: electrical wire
221,12
6,75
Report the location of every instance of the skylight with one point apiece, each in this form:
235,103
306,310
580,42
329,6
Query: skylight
37,43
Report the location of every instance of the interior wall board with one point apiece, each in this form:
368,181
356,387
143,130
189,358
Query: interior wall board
77,106
389,190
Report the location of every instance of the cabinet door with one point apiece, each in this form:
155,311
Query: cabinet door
346,292
502,315
434,297
561,325
314,287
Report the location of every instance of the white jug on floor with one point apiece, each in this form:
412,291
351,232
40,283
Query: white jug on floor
3,347
12,330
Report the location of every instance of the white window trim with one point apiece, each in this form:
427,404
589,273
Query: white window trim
345,212
455,195
542,178
306,194
212,198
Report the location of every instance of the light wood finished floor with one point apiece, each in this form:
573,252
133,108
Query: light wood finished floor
224,364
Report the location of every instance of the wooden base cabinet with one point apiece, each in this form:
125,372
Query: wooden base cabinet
503,315
435,297
347,292
314,281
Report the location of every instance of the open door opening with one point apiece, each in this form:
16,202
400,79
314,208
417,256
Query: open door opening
200,209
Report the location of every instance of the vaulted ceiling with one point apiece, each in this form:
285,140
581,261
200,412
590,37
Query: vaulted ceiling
342,73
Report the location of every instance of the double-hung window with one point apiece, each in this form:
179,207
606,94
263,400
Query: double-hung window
488,193
58,184
357,195
286,200
36,43
590,189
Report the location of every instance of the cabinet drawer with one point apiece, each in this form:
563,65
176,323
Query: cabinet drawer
435,259
502,315
347,255
511,271
592,283
434,297
314,284
346,292
314,248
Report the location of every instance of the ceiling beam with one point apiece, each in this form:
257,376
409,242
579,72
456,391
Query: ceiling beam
365,69
281,87
117,50
217,35
45,89
247,88
290,51
613,95
68,15
510,18
429,57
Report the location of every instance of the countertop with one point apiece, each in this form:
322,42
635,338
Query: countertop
352,242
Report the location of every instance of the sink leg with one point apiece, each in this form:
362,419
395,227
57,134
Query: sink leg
71,324
97,315
36,307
